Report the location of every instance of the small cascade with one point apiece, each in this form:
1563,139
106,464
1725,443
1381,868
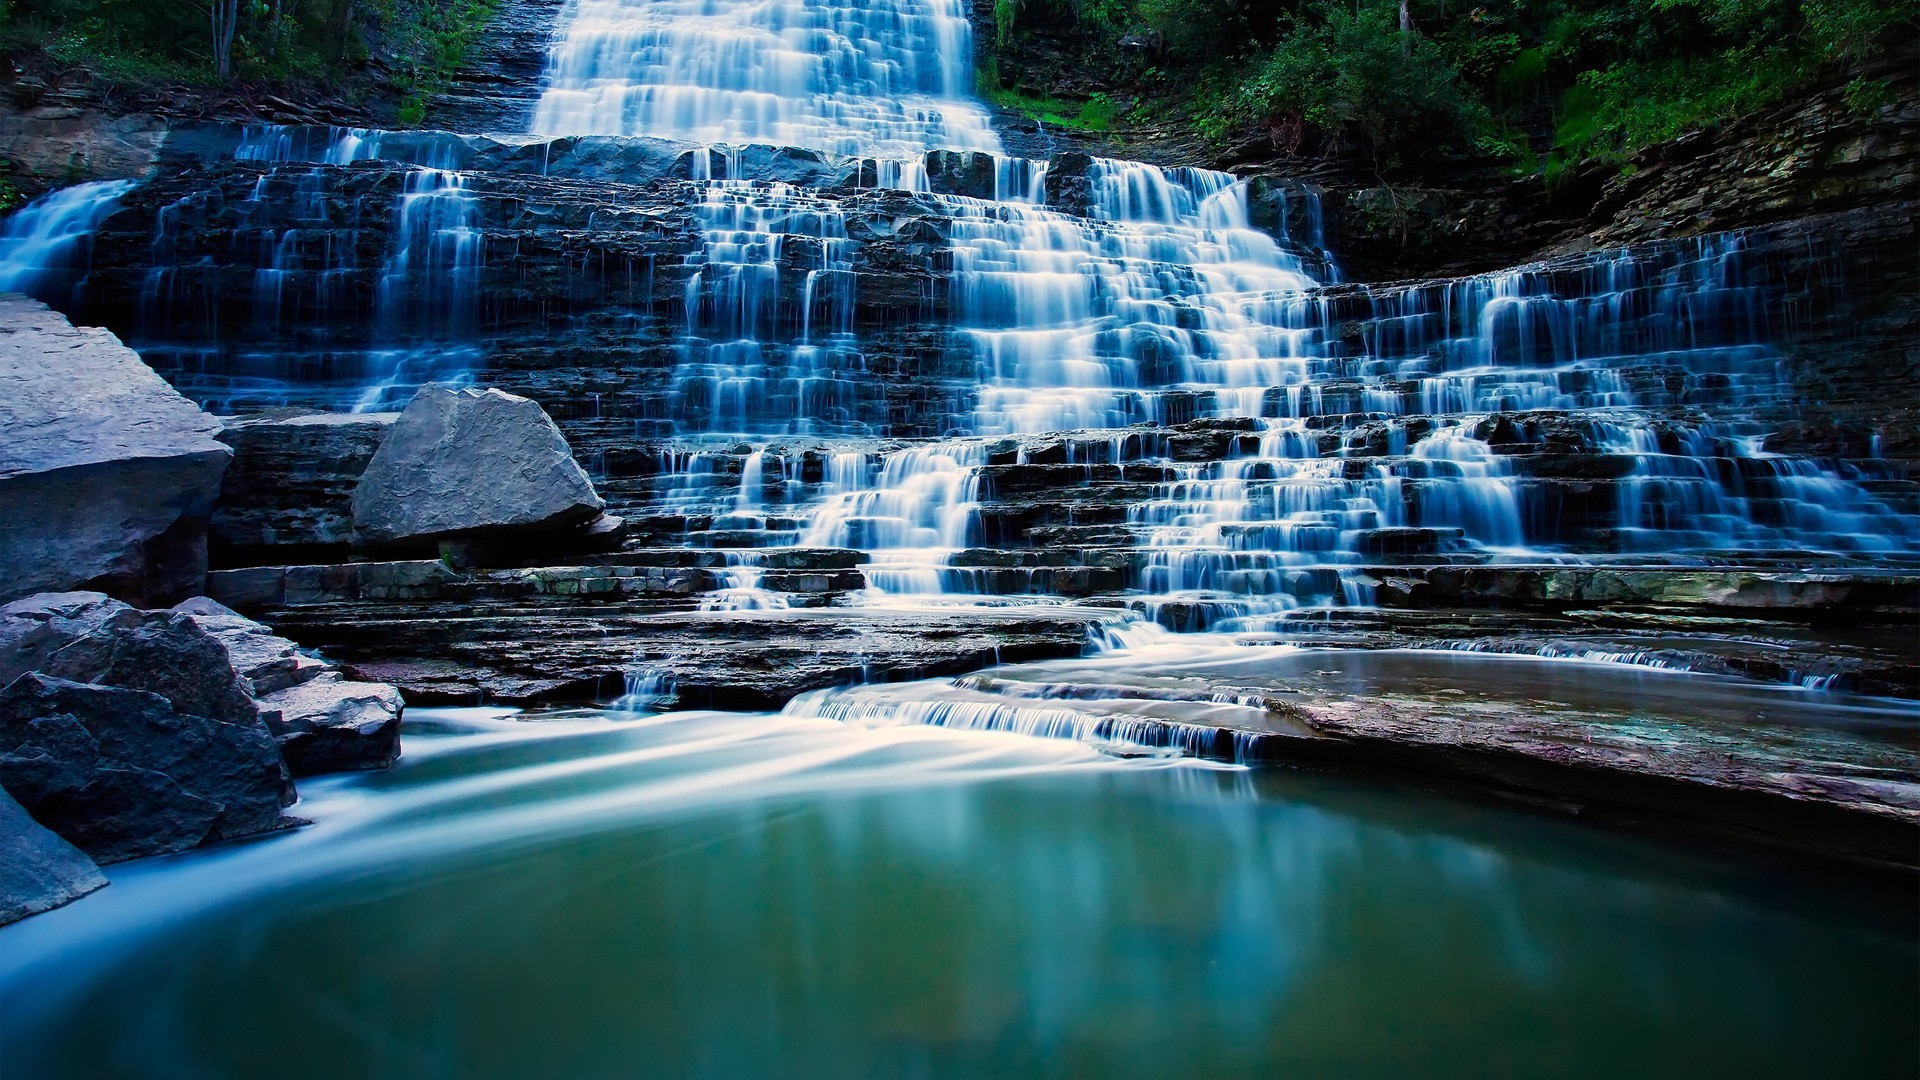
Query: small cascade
759,240
919,507
45,244
333,328
1081,323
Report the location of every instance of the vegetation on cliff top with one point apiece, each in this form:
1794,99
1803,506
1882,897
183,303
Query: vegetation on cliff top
410,46
1537,84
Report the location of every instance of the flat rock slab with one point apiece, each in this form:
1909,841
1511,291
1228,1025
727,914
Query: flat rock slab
468,464
38,870
107,474
729,659
1827,773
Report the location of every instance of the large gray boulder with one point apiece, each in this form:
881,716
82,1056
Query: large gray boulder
288,495
161,652
38,870
123,774
107,474
265,662
470,464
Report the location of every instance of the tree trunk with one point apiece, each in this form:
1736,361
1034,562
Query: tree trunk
1406,29
225,16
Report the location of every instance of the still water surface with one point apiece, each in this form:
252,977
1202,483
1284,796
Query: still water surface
719,895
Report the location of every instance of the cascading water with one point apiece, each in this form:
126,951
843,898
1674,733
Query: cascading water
1160,304
43,247
891,78
855,355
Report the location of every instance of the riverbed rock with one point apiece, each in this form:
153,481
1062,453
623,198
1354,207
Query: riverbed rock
322,721
108,475
335,724
38,870
465,463
160,652
123,774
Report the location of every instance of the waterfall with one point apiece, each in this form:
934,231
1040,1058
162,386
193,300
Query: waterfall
45,242
777,246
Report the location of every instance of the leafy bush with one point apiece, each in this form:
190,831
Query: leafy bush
1353,70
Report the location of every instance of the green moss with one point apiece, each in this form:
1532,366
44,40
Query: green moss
1096,114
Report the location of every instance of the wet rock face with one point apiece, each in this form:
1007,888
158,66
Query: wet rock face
38,870
123,774
334,724
288,495
108,475
461,462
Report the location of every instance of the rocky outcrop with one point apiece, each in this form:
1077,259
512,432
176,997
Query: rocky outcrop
288,495
38,870
107,473
33,629
58,144
123,773
321,721
467,464
335,724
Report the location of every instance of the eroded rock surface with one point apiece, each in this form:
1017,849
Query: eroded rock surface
108,475
123,773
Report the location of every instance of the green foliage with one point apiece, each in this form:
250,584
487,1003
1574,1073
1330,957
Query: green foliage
1096,114
1351,69
1536,84
11,197
279,42
1864,97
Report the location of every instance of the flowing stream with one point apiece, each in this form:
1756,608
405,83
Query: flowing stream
710,894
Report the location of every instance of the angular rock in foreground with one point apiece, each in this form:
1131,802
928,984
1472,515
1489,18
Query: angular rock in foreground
460,464
38,870
160,652
322,721
334,724
34,628
122,774
107,474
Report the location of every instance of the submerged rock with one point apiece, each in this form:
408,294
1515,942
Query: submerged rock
465,463
38,870
123,773
107,474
